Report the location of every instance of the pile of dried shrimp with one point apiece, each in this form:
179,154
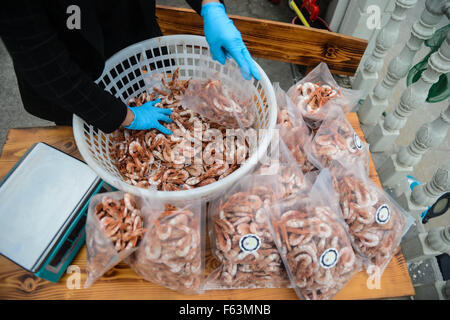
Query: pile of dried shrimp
214,101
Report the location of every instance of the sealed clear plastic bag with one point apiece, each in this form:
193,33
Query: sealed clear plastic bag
114,228
241,240
376,222
337,140
312,239
296,140
221,98
312,94
173,249
287,114
292,129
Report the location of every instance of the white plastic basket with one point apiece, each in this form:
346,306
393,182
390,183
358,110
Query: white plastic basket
123,78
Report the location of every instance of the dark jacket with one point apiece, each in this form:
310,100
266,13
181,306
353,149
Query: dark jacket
56,67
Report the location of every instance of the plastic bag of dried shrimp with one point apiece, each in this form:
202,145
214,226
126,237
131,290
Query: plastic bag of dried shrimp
226,99
287,114
293,129
312,239
172,251
241,240
337,140
312,94
376,222
114,228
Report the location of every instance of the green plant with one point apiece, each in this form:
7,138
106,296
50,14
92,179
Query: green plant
441,89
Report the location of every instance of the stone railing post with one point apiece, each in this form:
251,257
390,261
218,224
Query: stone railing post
427,244
367,76
439,290
423,29
398,165
384,134
425,194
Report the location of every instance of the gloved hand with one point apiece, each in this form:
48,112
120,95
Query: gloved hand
147,117
225,40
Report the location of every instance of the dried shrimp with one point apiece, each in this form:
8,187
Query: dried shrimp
171,251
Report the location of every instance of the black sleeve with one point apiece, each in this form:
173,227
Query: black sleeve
45,64
197,5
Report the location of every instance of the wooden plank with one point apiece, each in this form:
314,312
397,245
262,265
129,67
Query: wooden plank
123,283
19,140
276,40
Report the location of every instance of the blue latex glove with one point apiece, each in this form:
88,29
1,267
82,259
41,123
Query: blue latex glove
148,116
225,40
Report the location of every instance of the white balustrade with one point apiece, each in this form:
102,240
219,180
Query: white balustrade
384,134
427,245
377,102
420,244
366,78
397,166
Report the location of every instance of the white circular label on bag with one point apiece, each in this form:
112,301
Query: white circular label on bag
383,214
357,141
249,243
329,258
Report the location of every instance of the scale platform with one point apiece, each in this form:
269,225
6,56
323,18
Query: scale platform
43,208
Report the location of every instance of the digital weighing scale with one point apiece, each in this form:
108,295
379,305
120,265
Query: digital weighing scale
43,208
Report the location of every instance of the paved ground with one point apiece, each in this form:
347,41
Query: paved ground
13,113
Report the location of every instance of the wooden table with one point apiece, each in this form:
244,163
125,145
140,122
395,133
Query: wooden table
123,283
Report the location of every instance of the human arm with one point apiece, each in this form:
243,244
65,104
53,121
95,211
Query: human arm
224,39
44,63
